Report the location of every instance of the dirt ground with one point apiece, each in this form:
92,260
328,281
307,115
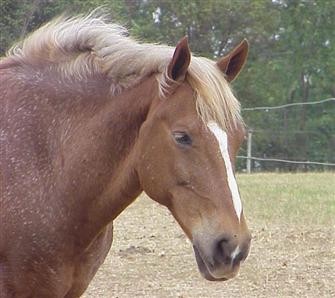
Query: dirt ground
151,257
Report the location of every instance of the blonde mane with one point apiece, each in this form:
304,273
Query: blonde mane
83,45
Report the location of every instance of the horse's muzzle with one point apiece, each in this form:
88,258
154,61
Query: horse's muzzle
223,258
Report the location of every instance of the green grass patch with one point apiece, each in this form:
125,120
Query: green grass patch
299,198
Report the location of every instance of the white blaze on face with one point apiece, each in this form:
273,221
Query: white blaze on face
222,138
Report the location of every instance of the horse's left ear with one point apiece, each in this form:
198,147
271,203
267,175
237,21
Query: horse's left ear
180,62
232,64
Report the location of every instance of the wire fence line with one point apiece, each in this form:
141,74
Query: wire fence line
288,161
249,156
289,105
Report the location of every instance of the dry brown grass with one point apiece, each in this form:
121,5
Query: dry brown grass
292,218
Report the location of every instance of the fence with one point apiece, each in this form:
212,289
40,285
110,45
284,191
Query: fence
323,131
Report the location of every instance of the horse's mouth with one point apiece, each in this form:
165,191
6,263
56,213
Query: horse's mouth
204,268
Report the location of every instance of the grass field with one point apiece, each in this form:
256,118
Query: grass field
292,219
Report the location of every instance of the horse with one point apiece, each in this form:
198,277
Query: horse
90,119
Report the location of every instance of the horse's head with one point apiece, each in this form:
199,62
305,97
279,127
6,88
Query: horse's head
187,165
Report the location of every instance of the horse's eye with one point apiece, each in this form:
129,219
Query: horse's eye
182,138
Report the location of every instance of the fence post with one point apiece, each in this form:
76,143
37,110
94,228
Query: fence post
249,145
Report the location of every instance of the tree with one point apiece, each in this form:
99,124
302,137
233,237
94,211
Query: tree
292,56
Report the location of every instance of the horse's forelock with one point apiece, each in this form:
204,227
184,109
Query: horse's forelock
214,97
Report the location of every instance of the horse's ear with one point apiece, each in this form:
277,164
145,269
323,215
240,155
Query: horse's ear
232,64
180,61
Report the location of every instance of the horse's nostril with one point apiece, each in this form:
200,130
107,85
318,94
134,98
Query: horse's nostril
230,250
224,240
223,250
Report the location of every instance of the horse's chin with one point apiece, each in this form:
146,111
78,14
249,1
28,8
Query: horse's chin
203,268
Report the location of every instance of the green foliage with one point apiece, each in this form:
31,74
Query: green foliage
292,56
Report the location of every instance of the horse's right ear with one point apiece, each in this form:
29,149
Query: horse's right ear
180,61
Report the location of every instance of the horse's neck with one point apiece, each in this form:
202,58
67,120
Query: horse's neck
73,145
96,159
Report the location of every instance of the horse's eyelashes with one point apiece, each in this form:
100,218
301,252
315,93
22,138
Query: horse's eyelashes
182,138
